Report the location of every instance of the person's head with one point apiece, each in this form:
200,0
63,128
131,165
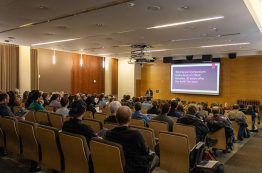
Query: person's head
25,95
4,98
199,107
64,101
215,110
236,106
174,104
77,109
154,104
180,108
36,95
192,109
138,106
241,106
123,115
54,97
89,100
12,97
165,108
114,106
250,108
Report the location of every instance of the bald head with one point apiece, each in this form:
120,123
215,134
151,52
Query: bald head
123,115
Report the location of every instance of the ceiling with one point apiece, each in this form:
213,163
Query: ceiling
110,31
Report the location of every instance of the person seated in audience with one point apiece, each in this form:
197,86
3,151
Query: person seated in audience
180,109
163,117
126,101
139,115
63,110
147,103
206,108
240,118
74,125
173,110
138,159
242,108
202,114
25,97
5,110
13,101
54,101
45,99
89,104
101,101
191,119
218,121
35,105
113,106
154,109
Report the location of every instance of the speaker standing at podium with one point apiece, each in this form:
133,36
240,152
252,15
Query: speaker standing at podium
149,93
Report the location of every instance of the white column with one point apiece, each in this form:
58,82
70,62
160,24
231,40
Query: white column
24,68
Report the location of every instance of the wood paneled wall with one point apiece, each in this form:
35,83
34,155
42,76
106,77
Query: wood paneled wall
240,78
114,77
90,78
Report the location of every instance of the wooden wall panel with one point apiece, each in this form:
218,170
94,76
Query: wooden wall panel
240,78
90,78
114,77
138,88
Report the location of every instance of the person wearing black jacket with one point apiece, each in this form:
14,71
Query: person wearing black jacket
5,111
191,119
138,159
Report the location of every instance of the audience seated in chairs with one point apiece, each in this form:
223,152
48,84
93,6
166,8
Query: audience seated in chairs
90,104
240,118
5,110
147,104
74,125
54,101
173,110
164,117
137,156
154,109
63,110
191,119
36,105
138,114
202,114
218,121
113,106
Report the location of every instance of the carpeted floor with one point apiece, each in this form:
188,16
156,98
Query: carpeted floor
248,158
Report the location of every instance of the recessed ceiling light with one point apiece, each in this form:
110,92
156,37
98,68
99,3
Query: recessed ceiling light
131,4
183,8
11,38
57,41
213,29
43,7
153,8
186,22
223,45
7,41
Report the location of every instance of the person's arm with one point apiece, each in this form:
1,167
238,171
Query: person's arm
143,148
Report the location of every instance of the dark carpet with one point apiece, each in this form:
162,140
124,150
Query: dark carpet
248,158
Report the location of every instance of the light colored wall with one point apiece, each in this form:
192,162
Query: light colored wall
108,76
126,78
24,69
54,77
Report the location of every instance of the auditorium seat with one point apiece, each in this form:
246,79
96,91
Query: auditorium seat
17,109
137,122
110,126
100,117
158,126
107,157
56,120
148,135
13,143
174,152
106,110
30,116
76,152
48,139
42,118
220,136
235,127
2,138
30,147
174,119
50,108
188,130
94,124
88,115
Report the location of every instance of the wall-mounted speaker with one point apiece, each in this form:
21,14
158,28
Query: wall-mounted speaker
167,59
232,55
189,57
206,58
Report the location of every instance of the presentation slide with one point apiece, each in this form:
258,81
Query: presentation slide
195,78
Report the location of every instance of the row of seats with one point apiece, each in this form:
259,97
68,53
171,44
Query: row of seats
69,152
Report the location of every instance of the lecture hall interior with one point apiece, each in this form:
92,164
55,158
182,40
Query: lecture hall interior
130,86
